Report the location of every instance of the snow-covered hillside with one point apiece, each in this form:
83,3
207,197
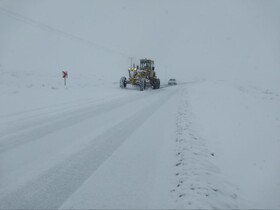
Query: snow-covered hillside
212,141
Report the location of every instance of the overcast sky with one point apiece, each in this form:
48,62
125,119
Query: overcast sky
236,40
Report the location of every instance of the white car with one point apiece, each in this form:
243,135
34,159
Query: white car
172,82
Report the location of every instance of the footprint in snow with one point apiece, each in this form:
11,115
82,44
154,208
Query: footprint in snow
182,195
178,164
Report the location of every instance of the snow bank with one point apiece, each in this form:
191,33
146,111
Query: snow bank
240,125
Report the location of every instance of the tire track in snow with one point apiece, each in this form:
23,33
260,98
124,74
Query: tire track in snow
198,183
35,129
53,188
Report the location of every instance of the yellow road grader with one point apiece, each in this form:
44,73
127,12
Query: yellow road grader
142,76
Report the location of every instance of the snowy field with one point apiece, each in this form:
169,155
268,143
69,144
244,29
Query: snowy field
210,142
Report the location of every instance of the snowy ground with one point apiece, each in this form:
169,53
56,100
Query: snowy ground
206,144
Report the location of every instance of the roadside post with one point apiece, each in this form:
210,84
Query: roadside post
64,76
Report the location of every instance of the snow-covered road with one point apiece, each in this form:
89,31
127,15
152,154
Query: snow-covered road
126,149
46,156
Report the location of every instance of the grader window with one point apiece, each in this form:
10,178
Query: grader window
145,65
